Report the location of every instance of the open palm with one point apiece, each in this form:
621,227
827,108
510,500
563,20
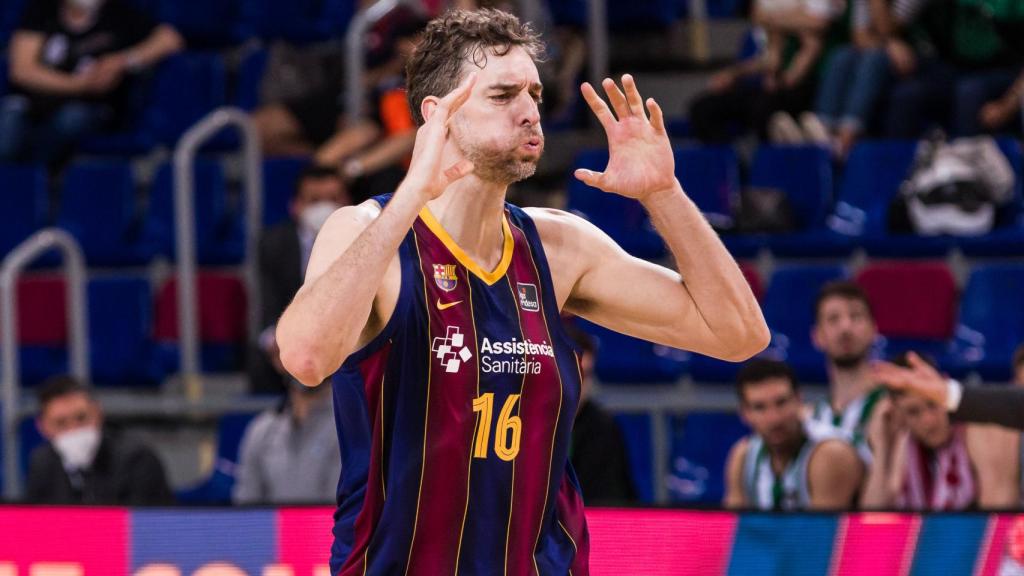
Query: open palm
640,156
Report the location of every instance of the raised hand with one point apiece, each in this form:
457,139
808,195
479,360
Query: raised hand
426,175
640,156
920,378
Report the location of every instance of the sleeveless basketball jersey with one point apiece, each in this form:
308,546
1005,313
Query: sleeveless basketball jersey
455,422
764,490
851,423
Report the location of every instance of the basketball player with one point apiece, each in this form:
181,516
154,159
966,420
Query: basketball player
440,304
783,466
844,331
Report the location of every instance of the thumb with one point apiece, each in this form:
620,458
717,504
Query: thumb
589,177
459,170
916,362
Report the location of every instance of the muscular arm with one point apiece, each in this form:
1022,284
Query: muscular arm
994,453
834,475
734,476
708,309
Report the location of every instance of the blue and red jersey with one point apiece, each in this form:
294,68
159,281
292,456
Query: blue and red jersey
455,421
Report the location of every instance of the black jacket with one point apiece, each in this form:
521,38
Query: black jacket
1002,405
124,473
280,273
599,457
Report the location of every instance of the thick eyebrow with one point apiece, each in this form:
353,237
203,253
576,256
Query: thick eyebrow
535,87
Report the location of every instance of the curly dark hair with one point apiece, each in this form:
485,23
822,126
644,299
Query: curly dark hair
460,36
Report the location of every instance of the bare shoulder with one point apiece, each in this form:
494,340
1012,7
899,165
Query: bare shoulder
834,452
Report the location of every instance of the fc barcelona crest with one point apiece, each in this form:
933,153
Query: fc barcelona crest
444,276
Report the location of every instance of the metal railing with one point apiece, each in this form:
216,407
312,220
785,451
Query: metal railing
13,266
184,218
355,48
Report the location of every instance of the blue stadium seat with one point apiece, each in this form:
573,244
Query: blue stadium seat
99,207
279,177
621,218
789,311
638,15
120,331
211,23
991,322
216,488
1007,239
304,21
711,177
636,431
23,206
623,359
250,74
700,445
219,224
183,89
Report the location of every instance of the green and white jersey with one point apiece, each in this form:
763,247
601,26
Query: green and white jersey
851,424
763,490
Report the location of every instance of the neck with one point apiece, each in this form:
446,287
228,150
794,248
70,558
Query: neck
848,384
782,456
470,210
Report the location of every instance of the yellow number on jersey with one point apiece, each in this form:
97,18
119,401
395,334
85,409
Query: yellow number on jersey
510,427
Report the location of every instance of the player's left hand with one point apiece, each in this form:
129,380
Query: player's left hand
640,155
920,378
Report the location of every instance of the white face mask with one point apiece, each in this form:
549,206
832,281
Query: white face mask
312,217
87,5
78,447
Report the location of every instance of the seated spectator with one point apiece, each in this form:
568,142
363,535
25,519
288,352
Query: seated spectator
1003,113
949,60
783,465
83,464
69,65
923,461
598,449
290,454
747,94
283,253
853,80
372,155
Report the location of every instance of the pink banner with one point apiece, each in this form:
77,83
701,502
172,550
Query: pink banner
63,541
875,543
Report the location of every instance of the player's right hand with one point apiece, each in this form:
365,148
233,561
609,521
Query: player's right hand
427,175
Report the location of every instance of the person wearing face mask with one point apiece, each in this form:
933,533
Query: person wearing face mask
290,455
69,62
284,250
83,464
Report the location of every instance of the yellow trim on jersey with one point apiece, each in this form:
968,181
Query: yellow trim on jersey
489,277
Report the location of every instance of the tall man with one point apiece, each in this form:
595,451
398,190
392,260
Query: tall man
440,304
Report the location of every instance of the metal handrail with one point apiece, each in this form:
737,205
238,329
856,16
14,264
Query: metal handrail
355,48
184,217
597,41
13,266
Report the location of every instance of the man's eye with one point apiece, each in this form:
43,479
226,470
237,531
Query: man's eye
502,97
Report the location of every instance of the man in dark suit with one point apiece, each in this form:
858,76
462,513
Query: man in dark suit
81,463
283,253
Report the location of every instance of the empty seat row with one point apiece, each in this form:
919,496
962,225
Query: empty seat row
832,219
133,335
119,225
917,306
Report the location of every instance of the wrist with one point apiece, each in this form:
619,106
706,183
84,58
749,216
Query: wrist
657,197
954,393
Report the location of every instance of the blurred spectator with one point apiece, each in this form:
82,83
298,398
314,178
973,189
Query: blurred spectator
845,332
372,154
69,62
1003,114
783,465
950,60
598,450
83,464
746,95
1018,366
853,80
290,454
283,253
923,461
